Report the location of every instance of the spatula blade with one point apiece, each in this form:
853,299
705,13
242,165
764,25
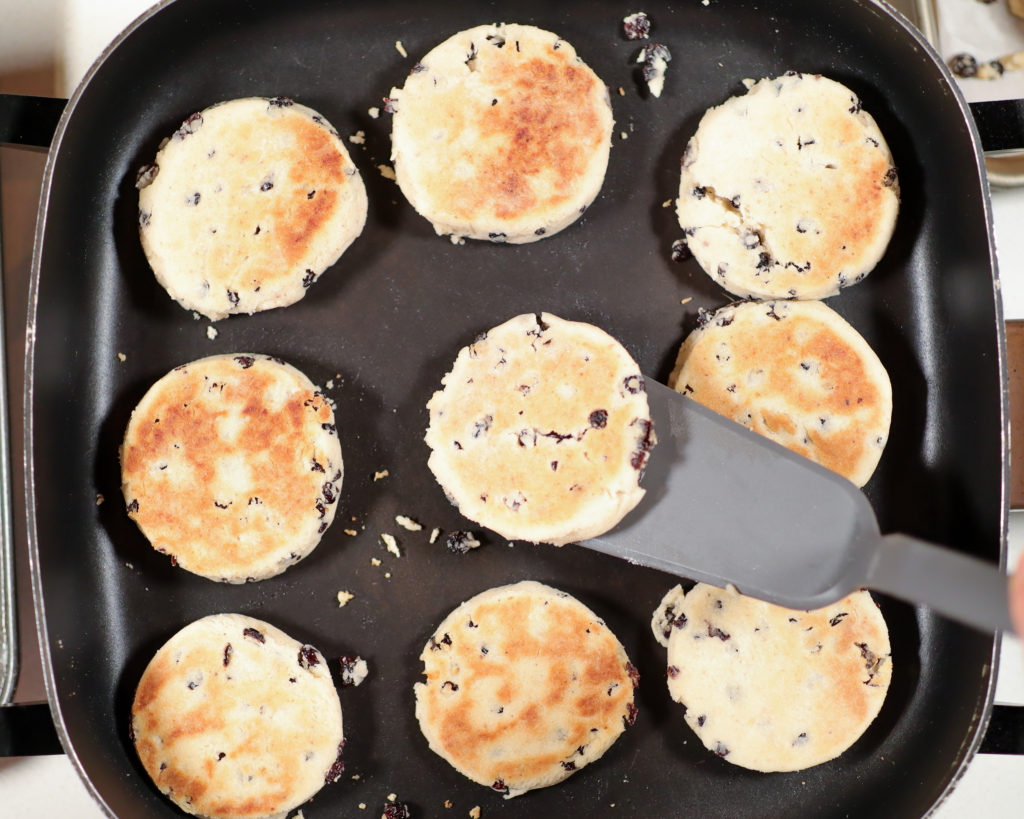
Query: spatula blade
726,505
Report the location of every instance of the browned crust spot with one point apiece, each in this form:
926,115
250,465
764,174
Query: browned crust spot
579,681
184,515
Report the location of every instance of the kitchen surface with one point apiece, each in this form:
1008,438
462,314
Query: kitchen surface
47,46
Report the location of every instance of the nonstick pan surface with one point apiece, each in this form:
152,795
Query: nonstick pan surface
384,325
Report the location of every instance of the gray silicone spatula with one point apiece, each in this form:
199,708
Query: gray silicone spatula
725,505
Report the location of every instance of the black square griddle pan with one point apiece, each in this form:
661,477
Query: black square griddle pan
384,324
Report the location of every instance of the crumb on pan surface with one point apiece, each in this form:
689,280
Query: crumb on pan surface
636,26
654,59
354,670
391,544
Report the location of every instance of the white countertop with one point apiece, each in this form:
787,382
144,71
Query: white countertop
72,33
1008,218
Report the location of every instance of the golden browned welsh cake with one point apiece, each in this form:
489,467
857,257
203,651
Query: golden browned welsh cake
232,466
775,689
789,190
501,133
234,719
542,430
524,686
247,204
795,372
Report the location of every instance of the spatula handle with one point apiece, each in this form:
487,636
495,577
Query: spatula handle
1000,124
956,585
26,120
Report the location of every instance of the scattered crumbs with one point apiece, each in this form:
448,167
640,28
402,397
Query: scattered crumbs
687,300
121,357
408,523
196,315
374,112
99,500
350,532
705,2
378,475
330,384
362,806
60,643
667,203
447,803
387,172
391,544
623,135
211,332
129,565
299,815
374,561
474,812
457,240
387,575
622,91
358,138
392,797
400,48
345,597
434,534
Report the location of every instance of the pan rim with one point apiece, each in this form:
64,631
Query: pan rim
983,710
